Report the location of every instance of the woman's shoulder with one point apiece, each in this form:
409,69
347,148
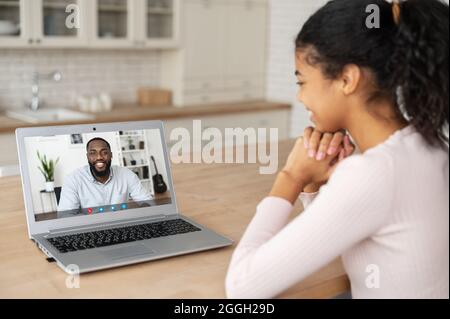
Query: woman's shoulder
363,182
375,163
401,148
370,175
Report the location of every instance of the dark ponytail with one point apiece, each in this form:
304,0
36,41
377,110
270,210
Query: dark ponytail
407,55
419,66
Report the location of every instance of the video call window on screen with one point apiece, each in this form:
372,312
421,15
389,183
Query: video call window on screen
96,173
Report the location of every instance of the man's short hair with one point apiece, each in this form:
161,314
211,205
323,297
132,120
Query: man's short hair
98,139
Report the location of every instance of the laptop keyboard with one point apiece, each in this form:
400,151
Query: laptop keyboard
115,236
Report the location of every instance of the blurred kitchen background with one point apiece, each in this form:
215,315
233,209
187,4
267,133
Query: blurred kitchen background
227,62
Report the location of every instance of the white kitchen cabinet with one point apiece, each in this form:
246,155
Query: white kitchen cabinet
15,28
203,27
223,57
112,23
134,24
157,23
245,39
53,25
245,49
43,23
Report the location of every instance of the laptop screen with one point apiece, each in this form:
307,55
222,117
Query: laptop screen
96,173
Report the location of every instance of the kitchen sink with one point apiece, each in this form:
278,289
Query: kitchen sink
49,115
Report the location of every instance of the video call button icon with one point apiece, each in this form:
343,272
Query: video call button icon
124,206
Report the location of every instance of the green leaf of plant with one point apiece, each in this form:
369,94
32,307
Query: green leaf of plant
44,173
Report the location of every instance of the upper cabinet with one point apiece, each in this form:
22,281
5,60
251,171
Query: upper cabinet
161,22
112,22
245,38
14,22
156,23
203,38
89,23
59,23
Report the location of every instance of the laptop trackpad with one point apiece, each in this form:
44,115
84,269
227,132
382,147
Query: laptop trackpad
128,252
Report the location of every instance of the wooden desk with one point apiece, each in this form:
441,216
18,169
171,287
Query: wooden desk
222,197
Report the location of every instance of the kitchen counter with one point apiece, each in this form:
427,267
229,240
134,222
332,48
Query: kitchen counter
222,197
133,112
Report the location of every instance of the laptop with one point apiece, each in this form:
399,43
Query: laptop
101,196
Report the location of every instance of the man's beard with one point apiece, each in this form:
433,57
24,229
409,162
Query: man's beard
104,173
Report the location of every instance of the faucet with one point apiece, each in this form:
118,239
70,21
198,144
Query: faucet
36,102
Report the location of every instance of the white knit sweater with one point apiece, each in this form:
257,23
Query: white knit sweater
386,212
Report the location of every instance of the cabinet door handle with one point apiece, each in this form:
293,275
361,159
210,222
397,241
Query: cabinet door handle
30,41
38,41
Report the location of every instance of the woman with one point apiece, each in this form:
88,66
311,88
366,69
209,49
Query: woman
386,210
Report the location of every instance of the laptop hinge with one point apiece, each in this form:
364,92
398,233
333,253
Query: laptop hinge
105,225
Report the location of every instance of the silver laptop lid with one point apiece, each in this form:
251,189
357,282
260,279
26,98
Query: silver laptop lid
77,198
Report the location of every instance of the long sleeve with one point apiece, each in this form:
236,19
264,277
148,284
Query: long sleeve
273,255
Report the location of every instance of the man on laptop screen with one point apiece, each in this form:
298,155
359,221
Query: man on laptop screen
99,183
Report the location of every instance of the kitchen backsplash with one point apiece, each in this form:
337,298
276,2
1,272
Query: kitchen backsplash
84,72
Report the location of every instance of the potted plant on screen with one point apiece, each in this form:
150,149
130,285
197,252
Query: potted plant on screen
47,169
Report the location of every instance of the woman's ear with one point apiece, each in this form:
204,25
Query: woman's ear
350,79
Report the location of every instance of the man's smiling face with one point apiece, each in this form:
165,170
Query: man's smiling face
99,157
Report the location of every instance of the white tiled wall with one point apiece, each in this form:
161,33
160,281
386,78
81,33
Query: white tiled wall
119,73
286,20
